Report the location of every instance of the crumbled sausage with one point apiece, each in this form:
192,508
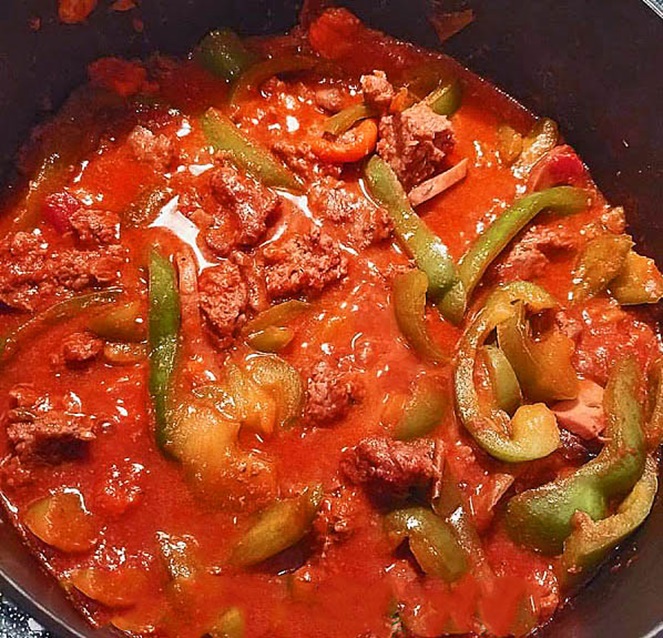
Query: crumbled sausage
40,434
331,391
29,271
415,143
378,91
529,256
223,297
247,199
81,347
390,468
303,263
148,147
49,438
95,227
366,223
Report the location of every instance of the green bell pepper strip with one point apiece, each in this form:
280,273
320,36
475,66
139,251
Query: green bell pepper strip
278,315
602,259
591,541
532,433
223,53
344,120
409,301
541,518
280,526
260,72
11,343
428,251
431,541
450,505
121,323
486,248
423,412
543,368
445,99
225,137
503,379
270,339
163,336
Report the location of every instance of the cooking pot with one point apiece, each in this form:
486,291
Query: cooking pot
594,66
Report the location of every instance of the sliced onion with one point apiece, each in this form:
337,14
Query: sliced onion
438,184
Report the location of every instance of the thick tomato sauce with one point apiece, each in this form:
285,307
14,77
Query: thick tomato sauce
320,587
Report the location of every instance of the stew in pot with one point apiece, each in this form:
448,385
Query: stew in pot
319,335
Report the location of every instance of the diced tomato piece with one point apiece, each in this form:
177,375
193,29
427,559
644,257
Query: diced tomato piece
333,34
125,77
559,167
58,208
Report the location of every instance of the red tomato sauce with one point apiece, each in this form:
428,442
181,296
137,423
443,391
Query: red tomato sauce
345,577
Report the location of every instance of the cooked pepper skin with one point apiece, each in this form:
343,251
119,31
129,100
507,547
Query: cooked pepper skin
428,251
344,120
638,282
225,137
532,432
591,541
543,367
446,99
409,299
280,526
423,412
503,380
602,259
223,53
431,540
163,336
541,518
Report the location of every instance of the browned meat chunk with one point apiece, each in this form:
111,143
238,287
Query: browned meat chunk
40,434
303,264
390,468
415,143
95,227
251,203
530,256
331,392
378,91
366,223
49,438
81,347
223,297
29,271
148,147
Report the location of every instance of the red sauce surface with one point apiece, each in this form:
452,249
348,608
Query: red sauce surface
323,586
